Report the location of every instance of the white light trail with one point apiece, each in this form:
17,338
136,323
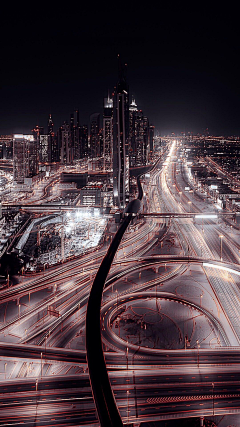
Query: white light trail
206,216
221,267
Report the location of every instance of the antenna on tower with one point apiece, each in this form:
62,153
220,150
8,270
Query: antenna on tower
119,67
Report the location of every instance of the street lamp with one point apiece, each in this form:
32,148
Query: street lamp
128,405
198,346
213,397
41,366
221,237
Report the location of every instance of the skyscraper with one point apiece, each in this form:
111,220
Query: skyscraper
120,141
44,148
52,155
138,136
50,125
108,134
83,141
76,136
132,132
146,147
94,135
151,142
65,144
55,148
72,138
25,157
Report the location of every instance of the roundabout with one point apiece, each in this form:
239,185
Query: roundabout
153,321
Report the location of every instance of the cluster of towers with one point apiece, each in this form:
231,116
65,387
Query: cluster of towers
122,139
69,143
132,139
127,138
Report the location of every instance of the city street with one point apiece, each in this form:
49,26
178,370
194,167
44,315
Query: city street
170,318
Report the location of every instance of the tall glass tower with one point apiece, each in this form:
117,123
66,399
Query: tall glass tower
108,133
120,140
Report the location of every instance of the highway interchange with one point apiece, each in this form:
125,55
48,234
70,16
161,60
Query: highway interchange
171,277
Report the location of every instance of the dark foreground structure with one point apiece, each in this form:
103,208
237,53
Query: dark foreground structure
108,413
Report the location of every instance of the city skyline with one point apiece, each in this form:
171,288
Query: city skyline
119,246
182,66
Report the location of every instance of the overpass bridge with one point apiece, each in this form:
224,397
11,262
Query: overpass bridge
45,208
195,215
58,208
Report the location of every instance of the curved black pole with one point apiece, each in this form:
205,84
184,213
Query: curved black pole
107,409
108,413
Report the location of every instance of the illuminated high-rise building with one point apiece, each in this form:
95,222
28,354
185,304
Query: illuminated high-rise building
120,141
50,134
100,142
65,144
25,157
44,149
42,143
83,141
138,136
72,138
145,153
94,135
132,114
76,136
50,125
108,134
33,158
6,146
132,132
151,141
53,147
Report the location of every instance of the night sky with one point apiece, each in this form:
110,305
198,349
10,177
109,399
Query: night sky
183,63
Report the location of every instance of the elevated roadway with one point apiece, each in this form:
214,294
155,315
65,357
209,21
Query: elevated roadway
145,384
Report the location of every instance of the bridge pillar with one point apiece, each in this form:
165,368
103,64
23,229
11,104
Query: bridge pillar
201,421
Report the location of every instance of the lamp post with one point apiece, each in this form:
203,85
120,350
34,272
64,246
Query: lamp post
213,397
221,237
198,346
135,390
41,366
190,203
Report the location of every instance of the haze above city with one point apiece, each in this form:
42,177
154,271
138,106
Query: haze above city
182,65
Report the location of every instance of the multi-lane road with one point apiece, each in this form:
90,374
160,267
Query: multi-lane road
170,320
